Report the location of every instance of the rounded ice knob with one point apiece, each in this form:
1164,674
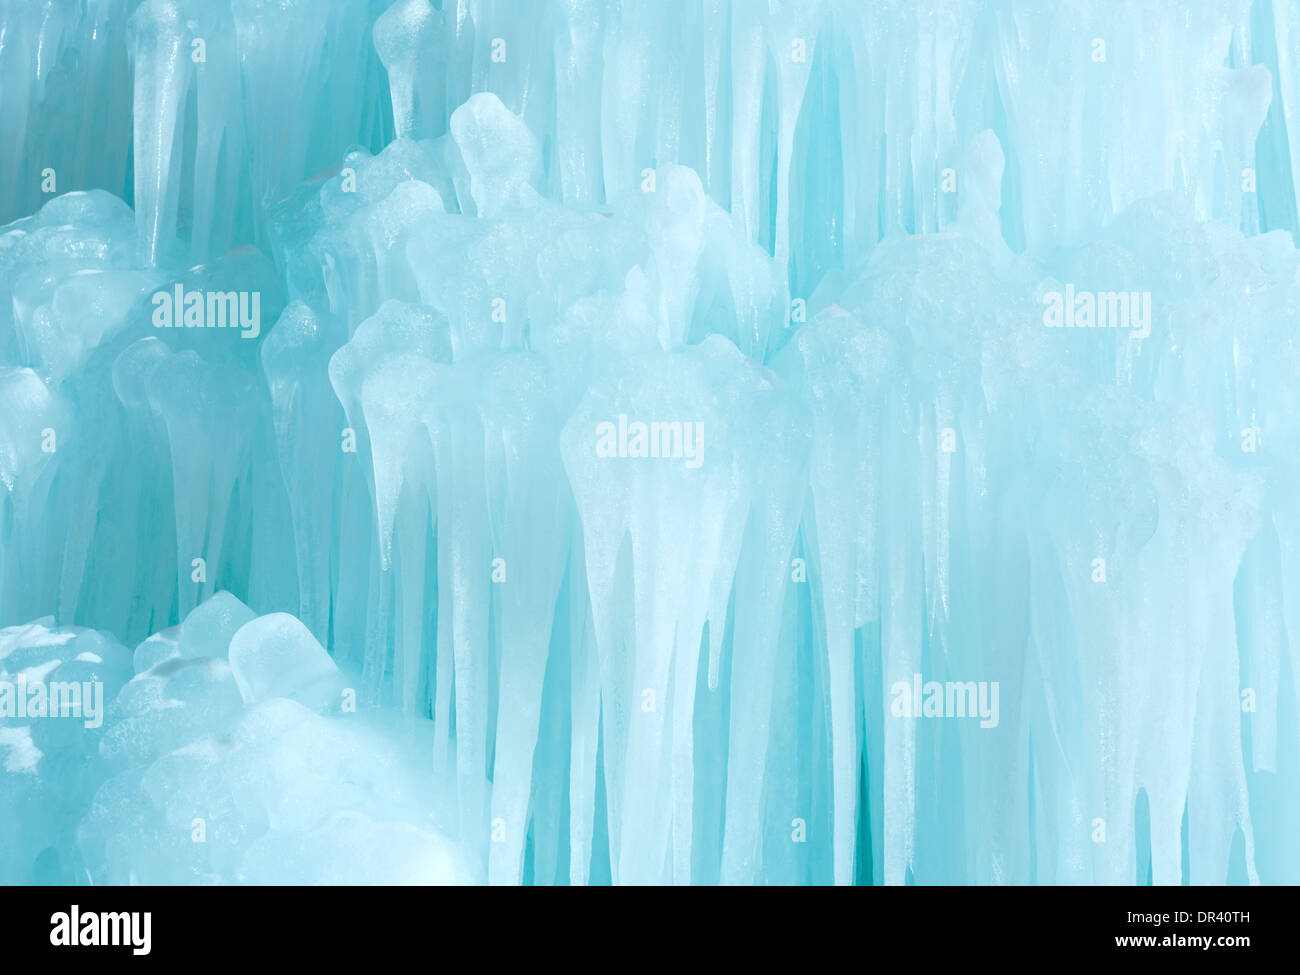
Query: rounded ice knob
276,656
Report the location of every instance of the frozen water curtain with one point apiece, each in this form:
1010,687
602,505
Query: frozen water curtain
649,441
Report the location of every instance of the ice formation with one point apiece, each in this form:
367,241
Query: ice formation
649,441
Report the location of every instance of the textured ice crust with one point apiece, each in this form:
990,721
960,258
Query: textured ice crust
208,769
624,414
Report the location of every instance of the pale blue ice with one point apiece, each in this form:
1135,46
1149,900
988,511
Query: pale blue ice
649,441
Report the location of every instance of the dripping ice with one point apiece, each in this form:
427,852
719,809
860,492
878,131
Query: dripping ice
656,456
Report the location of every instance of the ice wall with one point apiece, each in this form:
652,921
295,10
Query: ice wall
624,413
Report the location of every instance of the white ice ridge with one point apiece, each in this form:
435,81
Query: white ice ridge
684,441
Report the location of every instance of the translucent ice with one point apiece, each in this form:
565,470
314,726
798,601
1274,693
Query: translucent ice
276,656
696,441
